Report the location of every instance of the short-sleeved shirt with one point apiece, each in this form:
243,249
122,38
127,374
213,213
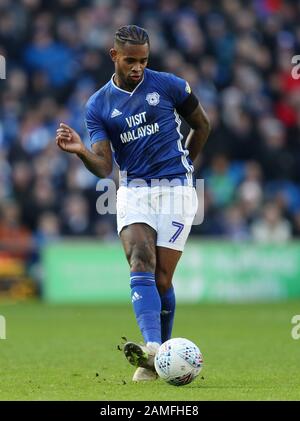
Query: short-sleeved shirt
143,127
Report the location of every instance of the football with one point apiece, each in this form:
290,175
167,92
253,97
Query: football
178,361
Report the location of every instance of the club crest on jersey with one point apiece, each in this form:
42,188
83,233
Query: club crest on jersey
153,98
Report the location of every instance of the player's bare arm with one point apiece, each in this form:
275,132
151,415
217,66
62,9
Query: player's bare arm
199,123
99,161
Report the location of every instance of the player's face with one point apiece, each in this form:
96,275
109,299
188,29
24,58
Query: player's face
130,62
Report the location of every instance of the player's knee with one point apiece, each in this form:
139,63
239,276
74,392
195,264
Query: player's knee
142,259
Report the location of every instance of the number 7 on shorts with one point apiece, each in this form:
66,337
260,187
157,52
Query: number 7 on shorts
179,227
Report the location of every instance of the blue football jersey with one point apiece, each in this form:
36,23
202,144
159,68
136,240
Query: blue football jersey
143,127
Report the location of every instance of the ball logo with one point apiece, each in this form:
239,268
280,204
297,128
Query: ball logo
153,98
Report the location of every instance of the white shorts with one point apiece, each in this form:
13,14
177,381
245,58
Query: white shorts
170,211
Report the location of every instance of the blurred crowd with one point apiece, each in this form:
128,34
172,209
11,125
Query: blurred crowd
236,55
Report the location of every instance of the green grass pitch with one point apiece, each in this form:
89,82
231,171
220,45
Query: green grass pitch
70,353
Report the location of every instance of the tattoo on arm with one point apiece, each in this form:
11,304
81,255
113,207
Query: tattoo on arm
99,162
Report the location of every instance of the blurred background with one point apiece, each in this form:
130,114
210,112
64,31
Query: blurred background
237,57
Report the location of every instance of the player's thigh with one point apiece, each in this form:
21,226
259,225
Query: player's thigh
166,262
139,243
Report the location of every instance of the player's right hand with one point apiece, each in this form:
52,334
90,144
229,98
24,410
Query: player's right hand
68,139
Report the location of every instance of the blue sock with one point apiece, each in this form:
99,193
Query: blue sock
147,305
167,314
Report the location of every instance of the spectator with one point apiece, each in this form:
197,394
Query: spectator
48,229
15,238
272,227
235,227
222,179
76,220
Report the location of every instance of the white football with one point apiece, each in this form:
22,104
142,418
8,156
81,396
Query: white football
178,361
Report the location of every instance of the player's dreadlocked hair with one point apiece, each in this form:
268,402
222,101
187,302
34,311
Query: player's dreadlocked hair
132,34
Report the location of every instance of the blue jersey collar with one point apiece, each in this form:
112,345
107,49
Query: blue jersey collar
123,90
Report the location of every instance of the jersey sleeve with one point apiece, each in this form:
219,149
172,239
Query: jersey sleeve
179,90
94,125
